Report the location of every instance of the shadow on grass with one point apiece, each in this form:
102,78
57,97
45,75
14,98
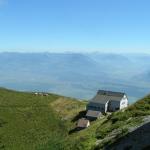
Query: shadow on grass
73,130
80,115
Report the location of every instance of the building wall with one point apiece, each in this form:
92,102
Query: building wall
124,102
117,105
114,105
91,118
96,107
88,124
106,106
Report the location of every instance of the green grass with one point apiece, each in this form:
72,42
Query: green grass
120,120
32,122
29,122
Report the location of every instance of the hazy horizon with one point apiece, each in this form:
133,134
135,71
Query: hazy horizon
80,52
77,75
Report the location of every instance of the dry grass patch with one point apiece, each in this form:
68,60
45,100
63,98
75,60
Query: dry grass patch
67,108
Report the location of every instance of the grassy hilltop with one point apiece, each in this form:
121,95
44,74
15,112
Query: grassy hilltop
30,122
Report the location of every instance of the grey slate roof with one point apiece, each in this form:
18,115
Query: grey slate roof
103,97
93,113
110,93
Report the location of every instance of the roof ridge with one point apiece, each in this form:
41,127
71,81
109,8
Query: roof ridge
110,93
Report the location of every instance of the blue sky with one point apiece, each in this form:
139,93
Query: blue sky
75,25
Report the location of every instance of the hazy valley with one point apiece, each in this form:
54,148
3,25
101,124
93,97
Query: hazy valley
75,74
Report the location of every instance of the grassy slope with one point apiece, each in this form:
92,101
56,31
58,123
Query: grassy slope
107,130
30,122
35,122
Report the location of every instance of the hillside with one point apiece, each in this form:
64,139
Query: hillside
112,130
36,122
29,122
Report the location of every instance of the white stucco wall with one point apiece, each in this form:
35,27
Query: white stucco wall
106,107
88,124
124,102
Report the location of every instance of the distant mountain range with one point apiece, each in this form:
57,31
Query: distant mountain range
76,74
